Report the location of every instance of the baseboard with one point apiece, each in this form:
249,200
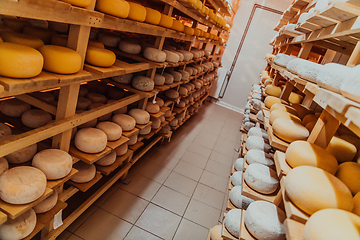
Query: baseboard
229,106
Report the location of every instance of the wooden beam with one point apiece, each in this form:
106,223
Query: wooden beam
355,56
305,50
37,103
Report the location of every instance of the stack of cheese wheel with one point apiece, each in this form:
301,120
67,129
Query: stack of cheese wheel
90,140
126,122
86,172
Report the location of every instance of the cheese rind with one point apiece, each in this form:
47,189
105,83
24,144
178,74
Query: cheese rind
86,172
261,178
270,100
47,204
117,8
282,114
13,107
112,130
152,16
130,47
143,83
343,150
107,160
4,165
140,116
232,222
19,227
35,118
289,130
349,173
121,150
137,12
90,140
22,39
126,122
258,156
166,21
100,57
22,155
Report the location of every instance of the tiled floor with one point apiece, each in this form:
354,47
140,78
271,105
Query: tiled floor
177,191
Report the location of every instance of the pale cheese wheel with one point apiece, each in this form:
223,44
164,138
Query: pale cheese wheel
162,118
5,131
133,140
282,107
261,178
143,83
273,90
256,131
174,122
349,173
159,101
35,118
289,130
107,160
169,79
22,185
239,164
22,39
126,122
14,107
356,208
109,39
215,233
146,130
260,116
176,75
47,204
152,16
295,98
303,153
130,47
152,107
184,75
232,222
259,156
171,93
264,220
282,114
22,155
255,142
166,21
168,113
4,165
165,129
126,78
343,150
100,57
19,227
187,55
269,82
140,116
154,54
117,8
159,80
171,57
121,150
313,189
90,140
137,12
309,118
236,178
236,198
270,100
83,103
156,122
183,91
86,172
112,130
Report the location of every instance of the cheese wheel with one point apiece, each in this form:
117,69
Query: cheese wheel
23,155
187,55
309,118
184,75
169,79
132,140
112,130
152,16
19,227
282,107
215,233
356,208
13,107
168,113
261,178
154,54
22,39
177,75
349,173
171,93
90,140
289,130
19,61
152,107
22,185
61,60
232,222
239,164
295,98
130,47
79,3
313,189
265,220
54,163
256,131
35,118
282,114
86,172
121,150
171,57
156,122
95,44
14,24
4,165
5,131
236,198
45,96
162,118
189,31
159,80
255,142
183,91
303,153
343,150
270,100
137,12
126,122
332,224
302,110
236,178
42,33
197,32
47,204
83,91
109,39
143,83
166,21
178,26
117,8
159,101
146,130
259,156
140,116
126,78
107,160
100,57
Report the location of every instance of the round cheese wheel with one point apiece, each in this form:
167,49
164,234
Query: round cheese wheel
79,3
86,172
261,178
126,78
282,114
174,122
178,26
130,47
258,156
183,91
4,165
159,101
343,150
171,93
215,233
169,79
332,224
289,130
303,153
96,97
166,21
100,57
117,8
22,39
121,150
356,208
265,220
54,163
168,113
5,131
238,199
59,40
176,75
83,103
295,98
270,100
313,189
282,107
22,155
22,185
126,122
137,12
273,90
19,61
47,204
90,140
254,142
109,39
35,118
13,107
309,118
19,227
152,107
349,173
143,83
140,116
239,164
132,140
154,54
152,16
112,130
95,44
107,160
236,178
171,56
60,59
156,122
232,222
260,116
162,119
146,130
184,75
43,33
256,131
159,80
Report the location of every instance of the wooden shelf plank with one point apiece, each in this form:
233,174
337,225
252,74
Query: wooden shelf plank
55,183
130,133
293,229
162,88
114,70
274,198
244,233
282,168
106,170
340,12
276,142
3,218
49,215
83,187
88,157
157,115
136,146
142,126
225,234
81,76
117,143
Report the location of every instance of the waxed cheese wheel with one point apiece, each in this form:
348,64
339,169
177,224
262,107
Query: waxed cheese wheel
312,189
22,155
282,107
130,47
60,59
171,93
303,153
126,122
270,100
258,156
13,107
107,160
83,103
96,44
154,54
178,26
19,227
255,142
264,220
90,140
126,78
54,163
121,150
156,122
35,118
133,139
159,80
282,114
349,173
166,21
295,98
100,57
5,131
47,204
236,198
22,39
273,90
289,130
239,164
215,233
143,83
232,222
4,165
169,79
86,172
261,178
236,178
22,185
112,130
152,16
152,107
140,116
117,8
137,12
343,150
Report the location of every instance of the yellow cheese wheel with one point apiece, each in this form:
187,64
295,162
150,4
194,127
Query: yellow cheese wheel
356,200
349,173
100,57
309,118
197,32
310,126
289,130
15,24
166,21
96,44
178,26
206,35
152,16
22,39
273,90
137,12
42,33
270,100
282,114
268,82
356,142
203,9
282,107
189,31
302,110
117,8
302,153
59,40
79,3
61,60
198,5
18,61
332,224
313,189
343,150
295,98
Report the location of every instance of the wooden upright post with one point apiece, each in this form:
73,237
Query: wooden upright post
355,56
305,50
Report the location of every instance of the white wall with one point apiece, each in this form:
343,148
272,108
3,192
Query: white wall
251,59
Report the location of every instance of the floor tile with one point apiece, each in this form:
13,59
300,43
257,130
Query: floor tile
205,142
171,200
188,170
64,235
103,225
142,187
125,205
181,184
83,217
168,162
208,135
106,196
195,159
190,231
159,221
210,196
218,168
199,149
202,214
226,147
140,234
221,158
74,237
214,181
156,172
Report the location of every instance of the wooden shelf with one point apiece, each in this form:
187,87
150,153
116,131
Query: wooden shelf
88,157
142,126
106,170
274,198
56,183
131,133
157,115
276,142
282,167
162,88
83,187
294,230
131,89
147,136
145,149
136,146
117,143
